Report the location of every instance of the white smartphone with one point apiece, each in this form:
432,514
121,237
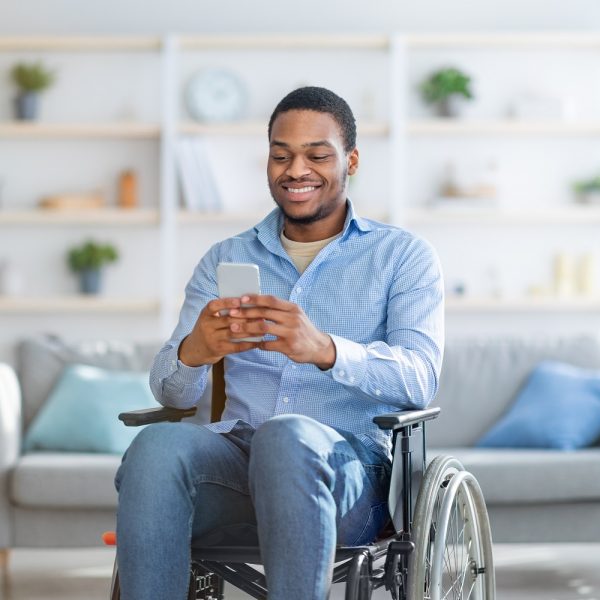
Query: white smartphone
236,280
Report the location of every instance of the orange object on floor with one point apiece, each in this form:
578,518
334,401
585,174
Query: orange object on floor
109,538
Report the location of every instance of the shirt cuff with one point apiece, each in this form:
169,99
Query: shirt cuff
350,364
180,374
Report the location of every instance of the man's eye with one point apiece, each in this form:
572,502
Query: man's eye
278,158
320,157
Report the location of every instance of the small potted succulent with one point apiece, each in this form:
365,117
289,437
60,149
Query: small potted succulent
30,79
87,261
444,87
588,190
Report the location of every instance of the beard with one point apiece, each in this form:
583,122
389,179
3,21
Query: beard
321,212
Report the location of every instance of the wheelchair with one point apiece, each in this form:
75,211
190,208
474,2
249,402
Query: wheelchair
436,546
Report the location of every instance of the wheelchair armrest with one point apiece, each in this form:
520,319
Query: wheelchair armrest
135,418
398,420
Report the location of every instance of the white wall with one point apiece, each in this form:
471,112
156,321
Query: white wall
156,16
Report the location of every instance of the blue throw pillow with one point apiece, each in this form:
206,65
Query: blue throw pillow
80,415
558,407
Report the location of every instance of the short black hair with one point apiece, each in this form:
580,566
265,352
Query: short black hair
320,100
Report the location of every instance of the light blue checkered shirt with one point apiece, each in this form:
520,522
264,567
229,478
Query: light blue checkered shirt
376,289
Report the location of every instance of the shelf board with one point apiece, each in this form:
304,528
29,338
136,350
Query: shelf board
258,127
75,304
284,42
132,130
106,216
550,304
187,217
575,215
500,127
504,40
79,43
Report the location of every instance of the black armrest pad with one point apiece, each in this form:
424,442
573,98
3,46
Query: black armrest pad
404,418
146,416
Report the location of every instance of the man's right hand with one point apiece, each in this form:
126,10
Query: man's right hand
210,339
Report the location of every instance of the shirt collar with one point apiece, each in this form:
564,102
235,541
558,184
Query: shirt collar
269,229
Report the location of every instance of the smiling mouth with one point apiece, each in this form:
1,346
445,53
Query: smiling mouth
302,190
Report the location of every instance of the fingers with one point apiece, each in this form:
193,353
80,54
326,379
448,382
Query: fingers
214,307
268,301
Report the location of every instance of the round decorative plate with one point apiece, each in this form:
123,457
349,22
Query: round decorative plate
215,95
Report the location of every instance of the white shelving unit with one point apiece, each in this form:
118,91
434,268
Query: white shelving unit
537,222
397,132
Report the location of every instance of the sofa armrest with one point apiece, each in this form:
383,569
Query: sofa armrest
10,417
145,416
10,445
399,420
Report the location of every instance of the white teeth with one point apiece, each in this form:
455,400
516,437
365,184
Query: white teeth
301,190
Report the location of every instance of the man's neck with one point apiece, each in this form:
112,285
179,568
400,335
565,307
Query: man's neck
319,230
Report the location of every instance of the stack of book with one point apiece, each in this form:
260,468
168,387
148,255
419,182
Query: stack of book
196,176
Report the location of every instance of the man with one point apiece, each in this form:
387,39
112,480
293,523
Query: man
351,314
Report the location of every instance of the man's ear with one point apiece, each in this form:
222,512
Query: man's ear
353,161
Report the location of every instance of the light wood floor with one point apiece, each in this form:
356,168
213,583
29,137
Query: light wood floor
523,572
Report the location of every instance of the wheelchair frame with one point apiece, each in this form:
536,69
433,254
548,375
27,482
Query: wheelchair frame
415,565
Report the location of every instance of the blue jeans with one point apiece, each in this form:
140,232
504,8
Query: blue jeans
298,485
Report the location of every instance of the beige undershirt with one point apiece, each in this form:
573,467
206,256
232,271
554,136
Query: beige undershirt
302,253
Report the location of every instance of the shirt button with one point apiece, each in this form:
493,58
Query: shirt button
173,362
378,392
341,373
286,399
298,290
294,367
352,379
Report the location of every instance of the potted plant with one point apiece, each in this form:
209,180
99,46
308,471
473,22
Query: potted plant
30,79
443,87
87,260
588,190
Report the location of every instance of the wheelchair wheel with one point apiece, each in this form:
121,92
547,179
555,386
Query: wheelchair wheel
453,549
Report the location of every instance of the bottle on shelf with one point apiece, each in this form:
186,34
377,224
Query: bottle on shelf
128,189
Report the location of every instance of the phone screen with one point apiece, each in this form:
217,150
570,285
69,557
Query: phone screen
236,280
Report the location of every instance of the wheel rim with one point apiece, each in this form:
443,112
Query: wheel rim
453,555
463,565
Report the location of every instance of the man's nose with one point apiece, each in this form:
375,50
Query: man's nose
298,168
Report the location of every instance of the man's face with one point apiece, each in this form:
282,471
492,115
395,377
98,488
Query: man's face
308,166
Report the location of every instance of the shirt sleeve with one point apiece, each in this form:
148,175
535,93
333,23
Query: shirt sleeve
172,382
403,370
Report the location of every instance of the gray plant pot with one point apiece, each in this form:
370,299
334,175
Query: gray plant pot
90,281
26,105
450,107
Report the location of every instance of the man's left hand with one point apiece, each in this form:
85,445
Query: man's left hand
297,337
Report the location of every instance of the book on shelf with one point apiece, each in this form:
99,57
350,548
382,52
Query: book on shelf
196,176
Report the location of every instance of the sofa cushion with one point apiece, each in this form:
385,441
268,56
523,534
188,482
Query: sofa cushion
559,407
531,476
65,480
482,376
81,413
41,361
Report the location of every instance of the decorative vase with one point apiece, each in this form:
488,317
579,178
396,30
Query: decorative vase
27,106
90,281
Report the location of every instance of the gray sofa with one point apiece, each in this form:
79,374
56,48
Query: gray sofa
66,500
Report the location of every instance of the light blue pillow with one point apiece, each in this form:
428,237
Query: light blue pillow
81,412
558,407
